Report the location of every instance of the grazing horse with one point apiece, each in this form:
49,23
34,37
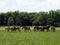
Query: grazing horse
26,28
13,28
45,27
17,28
41,28
36,28
53,28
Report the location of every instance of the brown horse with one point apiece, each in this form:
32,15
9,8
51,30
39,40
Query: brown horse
37,28
17,28
42,28
26,28
45,27
13,28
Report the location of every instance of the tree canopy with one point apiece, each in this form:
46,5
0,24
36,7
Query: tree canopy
29,19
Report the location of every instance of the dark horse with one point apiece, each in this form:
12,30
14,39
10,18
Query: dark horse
13,28
41,28
26,28
36,28
45,27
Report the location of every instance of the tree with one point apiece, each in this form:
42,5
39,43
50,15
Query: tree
43,18
24,18
10,21
27,19
16,17
54,17
2,19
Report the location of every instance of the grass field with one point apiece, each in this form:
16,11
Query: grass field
29,38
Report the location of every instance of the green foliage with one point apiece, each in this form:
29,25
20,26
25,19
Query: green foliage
28,19
58,24
10,21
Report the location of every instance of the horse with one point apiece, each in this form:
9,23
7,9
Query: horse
13,28
45,27
36,28
26,28
17,28
53,28
8,28
41,28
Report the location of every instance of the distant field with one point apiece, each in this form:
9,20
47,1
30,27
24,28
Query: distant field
29,38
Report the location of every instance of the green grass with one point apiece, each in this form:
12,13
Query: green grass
29,38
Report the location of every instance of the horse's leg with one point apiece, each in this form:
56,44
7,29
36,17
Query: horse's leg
35,30
25,29
42,29
19,30
22,29
38,29
11,30
29,30
8,30
54,30
48,30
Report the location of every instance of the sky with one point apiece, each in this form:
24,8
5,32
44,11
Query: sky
29,5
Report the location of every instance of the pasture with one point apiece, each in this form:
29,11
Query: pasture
29,38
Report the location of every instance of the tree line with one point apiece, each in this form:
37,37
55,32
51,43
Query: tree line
30,19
